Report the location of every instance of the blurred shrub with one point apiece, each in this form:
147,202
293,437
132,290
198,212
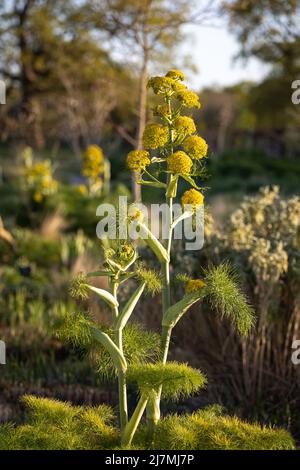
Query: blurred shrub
262,240
79,209
54,425
210,429
249,169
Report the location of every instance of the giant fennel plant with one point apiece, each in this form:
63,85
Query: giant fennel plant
173,150
126,351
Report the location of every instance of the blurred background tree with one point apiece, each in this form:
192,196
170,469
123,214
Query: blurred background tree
270,31
144,34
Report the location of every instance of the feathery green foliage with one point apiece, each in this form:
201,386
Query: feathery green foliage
55,425
177,379
74,327
225,296
49,411
208,429
153,281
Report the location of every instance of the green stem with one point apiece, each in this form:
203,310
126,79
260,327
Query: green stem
153,409
132,425
122,387
165,343
123,408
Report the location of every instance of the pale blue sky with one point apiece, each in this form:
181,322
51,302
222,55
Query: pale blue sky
213,50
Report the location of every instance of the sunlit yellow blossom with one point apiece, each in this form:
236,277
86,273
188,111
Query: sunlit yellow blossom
176,75
82,189
196,147
40,179
192,197
38,197
93,162
188,98
185,125
155,136
138,160
135,213
194,285
40,169
162,85
179,163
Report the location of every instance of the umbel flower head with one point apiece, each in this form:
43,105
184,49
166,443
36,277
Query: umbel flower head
185,125
155,136
135,213
176,75
179,163
188,98
193,198
93,160
169,84
162,85
196,147
40,179
194,285
138,160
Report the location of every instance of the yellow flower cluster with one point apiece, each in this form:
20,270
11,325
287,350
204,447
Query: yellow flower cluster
162,85
176,75
188,98
179,163
196,147
40,169
138,160
135,213
185,125
40,179
155,136
194,285
93,162
168,84
192,197
82,189
38,197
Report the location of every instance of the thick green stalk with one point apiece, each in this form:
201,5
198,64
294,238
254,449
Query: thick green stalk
153,408
123,408
166,264
132,425
122,385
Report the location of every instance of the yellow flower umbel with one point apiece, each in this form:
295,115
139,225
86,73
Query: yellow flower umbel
162,85
176,75
138,160
40,179
82,189
193,198
179,163
194,285
135,213
184,125
155,136
188,98
38,197
96,169
93,162
196,147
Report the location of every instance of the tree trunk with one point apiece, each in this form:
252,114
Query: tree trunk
136,188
